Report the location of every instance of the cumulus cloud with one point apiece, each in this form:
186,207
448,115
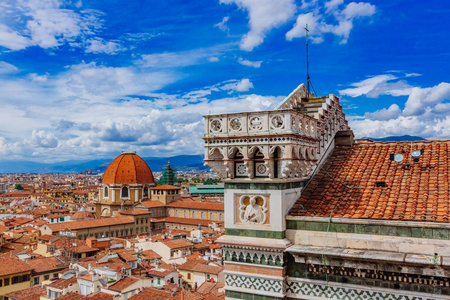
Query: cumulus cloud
44,139
332,18
264,15
253,64
425,113
385,114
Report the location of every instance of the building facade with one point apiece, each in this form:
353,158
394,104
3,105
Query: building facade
310,214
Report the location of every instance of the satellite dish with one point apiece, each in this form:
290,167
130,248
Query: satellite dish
416,154
398,157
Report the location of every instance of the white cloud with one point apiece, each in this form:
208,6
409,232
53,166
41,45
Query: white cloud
264,15
47,24
181,59
425,114
385,114
44,139
254,64
222,25
319,20
6,68
374,86
422,98
98,45
241,86
11,39
36,77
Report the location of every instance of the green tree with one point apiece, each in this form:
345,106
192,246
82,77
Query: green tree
18,186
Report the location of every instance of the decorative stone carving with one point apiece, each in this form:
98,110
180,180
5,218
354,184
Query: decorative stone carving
235,124
253,209
216,125
277,122
255,123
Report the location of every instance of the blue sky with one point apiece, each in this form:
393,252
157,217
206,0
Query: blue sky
87,79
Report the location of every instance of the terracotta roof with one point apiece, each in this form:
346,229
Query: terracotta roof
127,256
150,254
128,168
33,293
151,203
81,215
62,283
197,205
45,264
362,182
82,224
161,270
166,187
135,212
152,293
71,296
47,237
177,243
123,283
201,266
12,265
210,287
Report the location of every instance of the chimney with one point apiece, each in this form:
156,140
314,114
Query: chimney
344,138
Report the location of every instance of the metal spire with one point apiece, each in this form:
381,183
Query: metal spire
308,79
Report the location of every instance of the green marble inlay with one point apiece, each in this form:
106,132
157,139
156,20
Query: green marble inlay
256,233
264,186
239,295
417,232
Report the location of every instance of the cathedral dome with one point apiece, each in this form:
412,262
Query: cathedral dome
128,168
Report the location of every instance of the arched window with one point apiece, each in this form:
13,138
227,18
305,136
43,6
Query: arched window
193,215
220,217
239,168
260,167
203,216
169,212
124,192
185,213
276,162
211,216
105,193
145,192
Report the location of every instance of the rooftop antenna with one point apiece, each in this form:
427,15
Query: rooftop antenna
308,79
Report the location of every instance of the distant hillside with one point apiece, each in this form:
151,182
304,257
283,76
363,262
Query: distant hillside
401,138
180,163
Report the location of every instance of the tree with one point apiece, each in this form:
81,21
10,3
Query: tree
18,186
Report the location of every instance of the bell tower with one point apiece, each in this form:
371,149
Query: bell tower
265,159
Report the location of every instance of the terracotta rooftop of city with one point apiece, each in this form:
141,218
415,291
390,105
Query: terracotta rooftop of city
128,168
363,182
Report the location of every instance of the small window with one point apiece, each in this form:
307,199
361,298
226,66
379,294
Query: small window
55,275
6,281
203,216
124,192
106,192
36,280
189,275
145,192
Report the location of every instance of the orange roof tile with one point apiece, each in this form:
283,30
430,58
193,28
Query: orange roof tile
197,205
177,243
33,293
12,265
75,225
123,283
166,187
362,182
128,168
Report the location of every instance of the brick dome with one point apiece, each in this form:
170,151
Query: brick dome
128,168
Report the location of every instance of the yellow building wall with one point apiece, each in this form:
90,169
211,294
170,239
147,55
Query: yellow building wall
14,287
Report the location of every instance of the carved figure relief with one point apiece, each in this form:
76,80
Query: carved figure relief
253,209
